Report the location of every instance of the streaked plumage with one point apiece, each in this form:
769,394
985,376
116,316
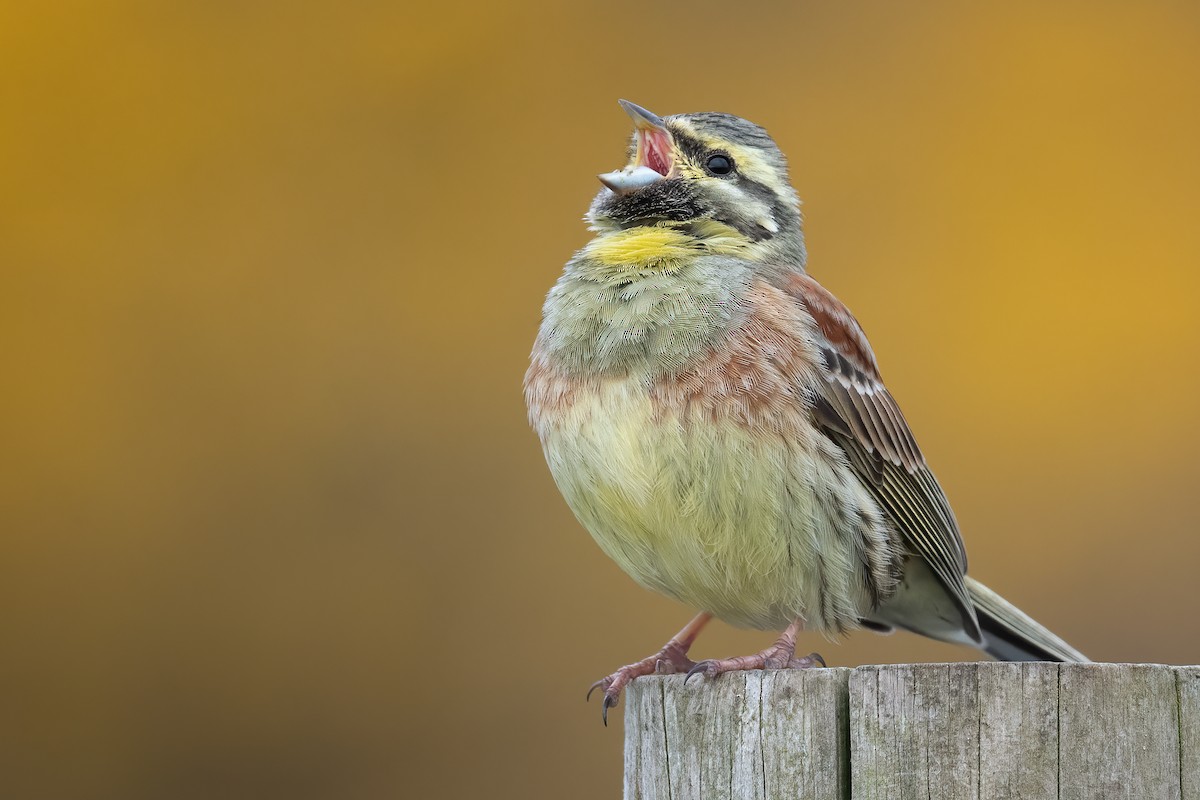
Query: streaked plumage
717,421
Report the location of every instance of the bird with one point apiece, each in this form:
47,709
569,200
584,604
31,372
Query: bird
716,419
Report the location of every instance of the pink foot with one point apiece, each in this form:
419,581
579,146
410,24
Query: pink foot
781,655
670,659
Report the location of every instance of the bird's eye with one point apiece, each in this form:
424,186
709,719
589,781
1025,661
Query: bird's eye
719,165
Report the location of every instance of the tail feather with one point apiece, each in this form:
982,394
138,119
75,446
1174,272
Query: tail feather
1009,634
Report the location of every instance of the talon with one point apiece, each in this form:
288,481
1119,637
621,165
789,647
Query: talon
610,701
700,668
670,659
808,662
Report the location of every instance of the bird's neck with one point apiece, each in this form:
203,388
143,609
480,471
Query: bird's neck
616,252
645,301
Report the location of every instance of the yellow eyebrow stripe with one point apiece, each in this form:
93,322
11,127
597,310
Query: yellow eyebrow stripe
748,163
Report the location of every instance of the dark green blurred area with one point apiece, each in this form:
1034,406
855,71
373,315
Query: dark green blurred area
273,522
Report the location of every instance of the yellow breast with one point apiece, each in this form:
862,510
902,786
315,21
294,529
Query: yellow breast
721,517
711,484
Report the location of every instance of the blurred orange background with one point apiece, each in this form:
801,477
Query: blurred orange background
273,521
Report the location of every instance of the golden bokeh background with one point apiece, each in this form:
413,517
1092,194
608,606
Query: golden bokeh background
273,522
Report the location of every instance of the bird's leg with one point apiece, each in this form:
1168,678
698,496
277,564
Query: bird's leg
781,655
670,659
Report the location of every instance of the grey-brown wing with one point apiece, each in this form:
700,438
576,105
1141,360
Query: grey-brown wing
857,412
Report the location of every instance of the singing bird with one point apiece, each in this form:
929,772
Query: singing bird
715,418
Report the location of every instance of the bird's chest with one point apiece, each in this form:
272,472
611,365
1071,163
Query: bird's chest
693,504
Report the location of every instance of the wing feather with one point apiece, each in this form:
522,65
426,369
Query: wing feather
858,413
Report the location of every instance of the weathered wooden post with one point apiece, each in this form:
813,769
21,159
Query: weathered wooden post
981,731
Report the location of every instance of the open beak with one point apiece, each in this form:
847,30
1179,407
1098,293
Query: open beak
654,153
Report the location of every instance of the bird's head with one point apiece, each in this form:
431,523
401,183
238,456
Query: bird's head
713,175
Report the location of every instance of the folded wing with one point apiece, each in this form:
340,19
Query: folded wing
856,411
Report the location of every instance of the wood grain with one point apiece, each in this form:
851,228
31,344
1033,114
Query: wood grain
986,731
914,732
1188,679
1118,732
753,735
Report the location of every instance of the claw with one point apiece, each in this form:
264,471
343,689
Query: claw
670,659
700,667
807,662
609,702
